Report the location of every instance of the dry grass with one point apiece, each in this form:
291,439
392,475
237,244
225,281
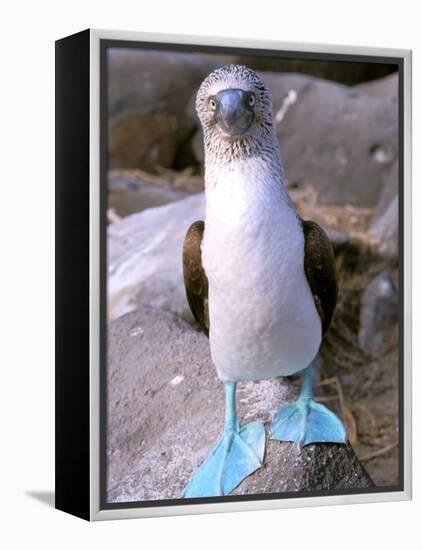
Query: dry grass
179,180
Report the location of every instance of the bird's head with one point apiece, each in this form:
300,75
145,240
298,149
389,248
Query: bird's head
235,106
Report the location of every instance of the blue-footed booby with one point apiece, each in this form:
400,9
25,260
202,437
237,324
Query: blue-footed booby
260,281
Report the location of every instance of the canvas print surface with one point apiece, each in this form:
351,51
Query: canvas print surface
253,292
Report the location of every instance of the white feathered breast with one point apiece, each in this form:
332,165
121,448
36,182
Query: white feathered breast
263,321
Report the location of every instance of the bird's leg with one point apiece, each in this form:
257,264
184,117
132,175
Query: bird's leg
231,422
306,392
238,453
306,421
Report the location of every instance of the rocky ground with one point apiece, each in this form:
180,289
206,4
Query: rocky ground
166,411
339,145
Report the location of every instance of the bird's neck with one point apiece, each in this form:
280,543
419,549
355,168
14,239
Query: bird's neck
235,165
245,188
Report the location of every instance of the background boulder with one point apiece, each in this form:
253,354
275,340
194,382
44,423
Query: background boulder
381,87
145,258
148,93
385,230
379,315
127,195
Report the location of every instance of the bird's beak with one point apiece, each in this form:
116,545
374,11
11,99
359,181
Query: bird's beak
233,113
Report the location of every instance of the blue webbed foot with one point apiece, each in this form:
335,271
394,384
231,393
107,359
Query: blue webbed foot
238,454
306,422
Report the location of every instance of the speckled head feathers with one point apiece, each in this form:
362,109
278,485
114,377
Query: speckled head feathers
259,137
237,77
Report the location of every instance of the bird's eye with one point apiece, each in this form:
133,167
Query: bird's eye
251,100
212,103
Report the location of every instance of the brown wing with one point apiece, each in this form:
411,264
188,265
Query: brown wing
320,269
196,282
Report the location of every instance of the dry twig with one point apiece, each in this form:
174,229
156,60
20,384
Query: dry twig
379,452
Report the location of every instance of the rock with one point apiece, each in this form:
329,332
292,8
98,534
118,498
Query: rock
127,195
145,258
378,331
385,230
198,147
144,140
339,240
166,411
151,80
147,97
390,189
337,139
383,87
